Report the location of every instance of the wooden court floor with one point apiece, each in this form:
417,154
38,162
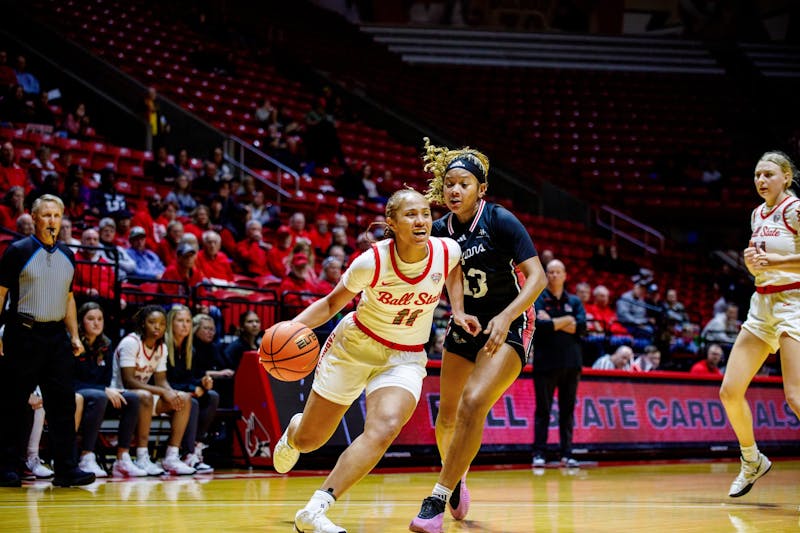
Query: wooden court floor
670,497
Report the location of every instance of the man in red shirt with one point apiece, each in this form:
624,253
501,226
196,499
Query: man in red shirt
11,174
296,282
710,365
211,261
252,251
183,270
276,257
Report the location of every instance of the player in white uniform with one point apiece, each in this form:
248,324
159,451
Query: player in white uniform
140,356
378,348
773,322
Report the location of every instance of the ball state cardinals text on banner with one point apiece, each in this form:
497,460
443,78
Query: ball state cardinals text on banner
622,411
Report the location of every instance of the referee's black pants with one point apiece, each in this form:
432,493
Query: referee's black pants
545,383
41,356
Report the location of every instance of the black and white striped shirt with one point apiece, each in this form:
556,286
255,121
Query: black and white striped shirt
38,278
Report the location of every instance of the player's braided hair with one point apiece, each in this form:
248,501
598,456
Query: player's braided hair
438,158
786,165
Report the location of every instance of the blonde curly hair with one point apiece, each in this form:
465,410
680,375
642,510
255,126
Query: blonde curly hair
438,158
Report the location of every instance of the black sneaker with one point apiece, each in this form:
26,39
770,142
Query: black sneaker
10,479
430,517
74,478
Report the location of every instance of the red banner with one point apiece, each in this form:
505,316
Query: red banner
635,409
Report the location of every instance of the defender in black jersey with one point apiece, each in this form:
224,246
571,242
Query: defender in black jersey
476,370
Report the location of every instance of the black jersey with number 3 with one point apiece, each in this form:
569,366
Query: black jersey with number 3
492,243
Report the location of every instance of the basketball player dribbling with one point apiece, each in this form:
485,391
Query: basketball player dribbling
378,348
773,321
476,370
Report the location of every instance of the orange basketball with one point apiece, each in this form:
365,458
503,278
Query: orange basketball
289,351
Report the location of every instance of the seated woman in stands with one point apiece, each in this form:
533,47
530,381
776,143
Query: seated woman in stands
248,339
191,374
142,355
92,378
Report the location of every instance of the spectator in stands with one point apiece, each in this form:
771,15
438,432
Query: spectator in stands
370,188
603,330
140,356
168,247
320,235
182,270
94,272
247,340
214,264
772,321
331,273
161,169
7,75
557,362
276,256
49,185
184,164
296,290
42,165
234,228
93,372
208,354
77,123
11,174
632,313
584,293
619,360
14,107
337,251
675,315
206,183
28,81
181,196
363,244
648,361
105,200
224,170
321,140
13,207
185,373
148,217
123,220
252,251
200,222
246,191
65,235
148,265
724,327
712,362
114,252
158,126
341,238
42,113
265,213
25,226
76,193
266,114
297,225
304,247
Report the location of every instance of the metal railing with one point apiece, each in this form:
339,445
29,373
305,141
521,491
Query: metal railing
630,229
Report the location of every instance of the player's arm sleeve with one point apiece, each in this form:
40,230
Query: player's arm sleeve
513,235
453,253
127,352
360,273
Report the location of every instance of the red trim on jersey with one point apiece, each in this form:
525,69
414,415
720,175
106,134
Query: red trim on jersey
785,223
481,206
764,217
446,259
387,343
414,281
772,289
377,266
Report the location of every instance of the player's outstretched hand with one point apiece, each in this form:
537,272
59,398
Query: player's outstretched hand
468,323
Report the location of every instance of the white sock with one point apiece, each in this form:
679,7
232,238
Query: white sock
124,455
172,451
750,453
321,500
441,492
36,433
142,453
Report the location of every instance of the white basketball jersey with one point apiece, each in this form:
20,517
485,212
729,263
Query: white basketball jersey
398,299
775,231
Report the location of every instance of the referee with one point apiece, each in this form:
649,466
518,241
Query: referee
36,272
